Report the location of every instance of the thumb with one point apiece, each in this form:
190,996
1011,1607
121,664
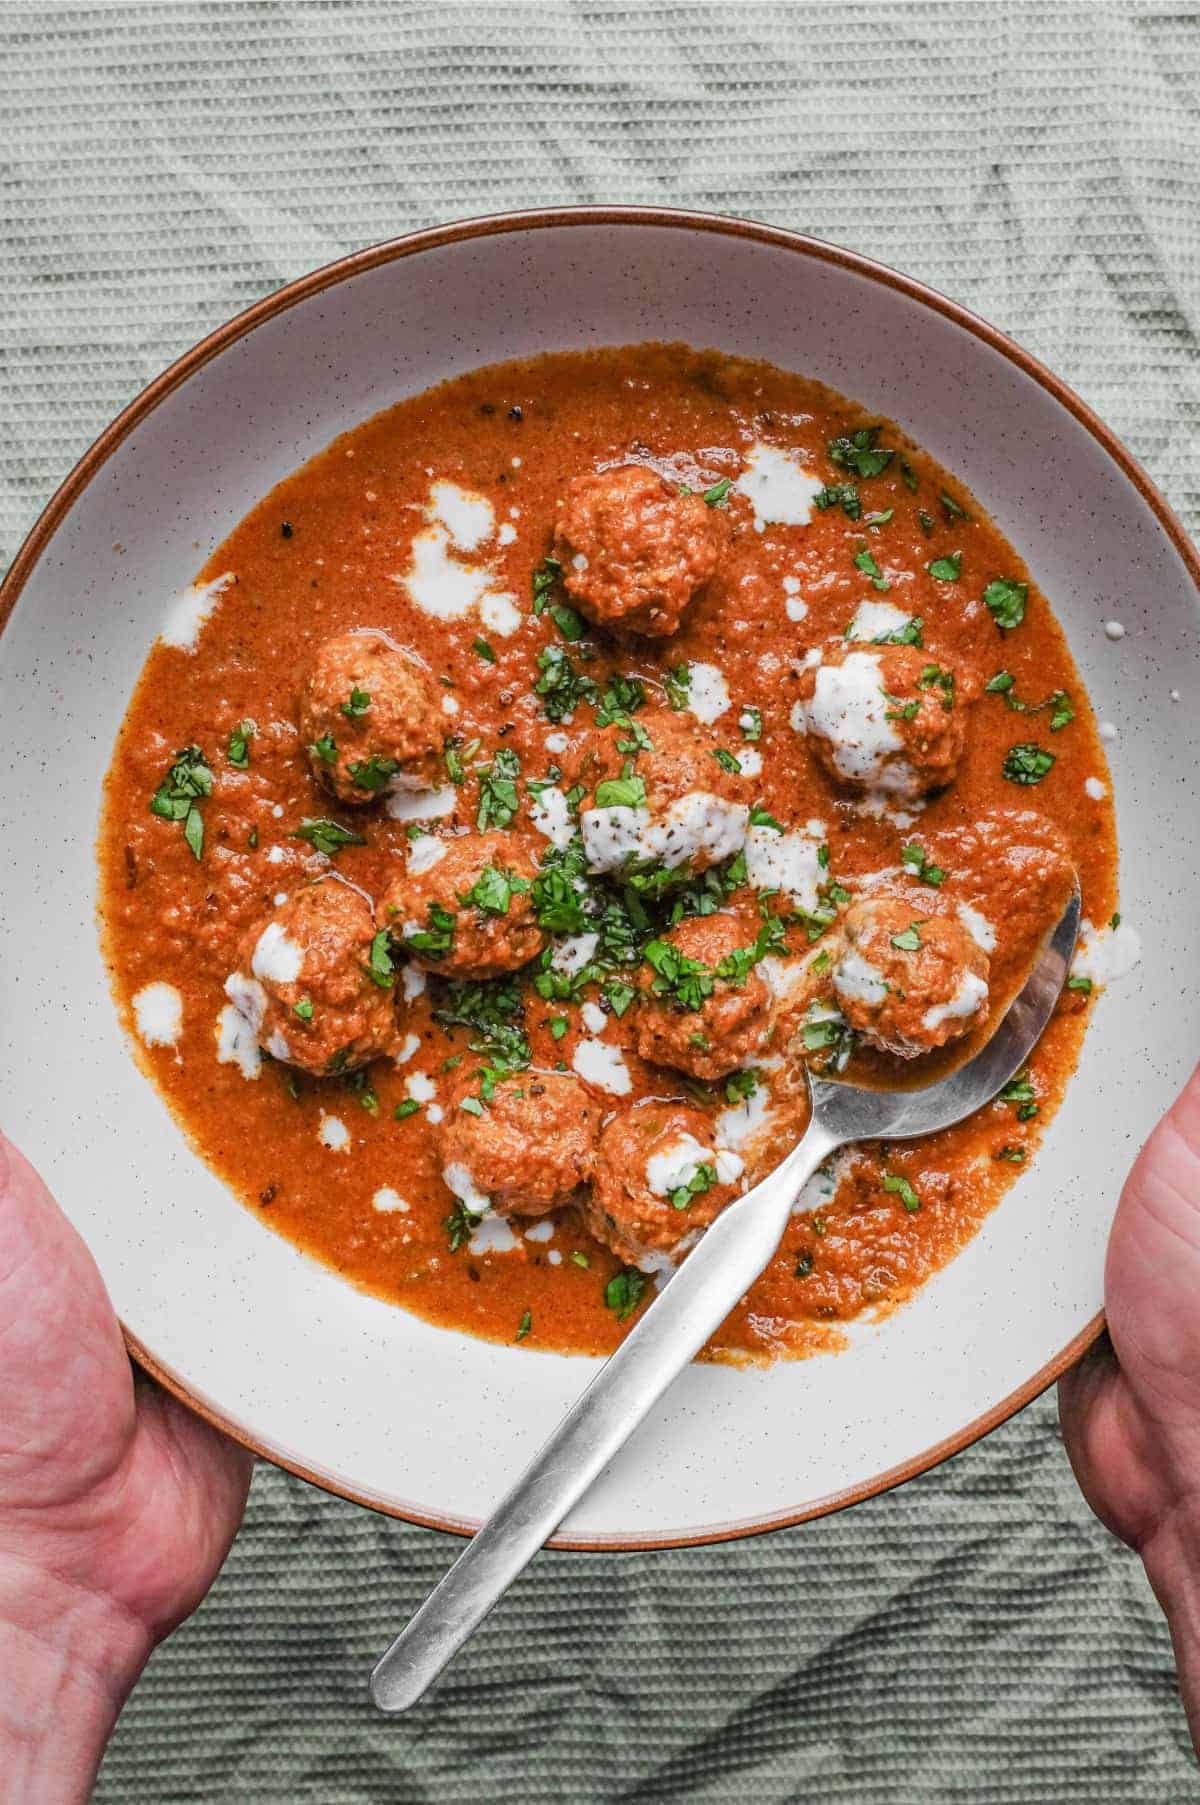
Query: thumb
60,1346
1152,1277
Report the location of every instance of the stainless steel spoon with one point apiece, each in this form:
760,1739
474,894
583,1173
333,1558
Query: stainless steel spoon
689,1309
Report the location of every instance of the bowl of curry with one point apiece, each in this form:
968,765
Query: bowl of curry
529,733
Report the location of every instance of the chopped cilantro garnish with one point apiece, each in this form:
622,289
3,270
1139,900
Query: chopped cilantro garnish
619,995
436,940
498,799
1014,1155
1001,684
380,965
1022,1095
912,481
357,705
716,497
560,685
373,774
483,650
952,509
910,940
187,783
471,1106
621,792
238,750
946,570
303,1009
1081,984
927,522
866,563
761,817
559,1026
935,677
492,891
917,863
544,579
740,1085
703,1178
1006,602
726,760
624,1291
677,684
804,1265
1027,763
622,697
686,981
858,451
874,521
900,1187
524,1326
1063,713
910,634
460,1225
840,495
568,622
750,722
577,1257
409,1107
325,749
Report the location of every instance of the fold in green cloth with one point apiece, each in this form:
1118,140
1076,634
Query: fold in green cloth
976,1635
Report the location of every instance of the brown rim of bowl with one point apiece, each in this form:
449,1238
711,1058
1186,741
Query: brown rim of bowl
538,219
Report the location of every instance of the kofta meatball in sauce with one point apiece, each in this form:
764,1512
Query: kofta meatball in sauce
703,1007
569,758
633,549
463,907
528,1148
304,984
369,720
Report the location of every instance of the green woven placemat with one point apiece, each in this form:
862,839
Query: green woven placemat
975,1636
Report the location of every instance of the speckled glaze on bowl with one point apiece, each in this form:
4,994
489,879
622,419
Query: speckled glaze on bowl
352,1393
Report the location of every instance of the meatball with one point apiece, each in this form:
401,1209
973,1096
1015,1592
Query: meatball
674,803
469,914
731,1022
304,981
909,982
660,1178
526,1144
370,720
633,550
890,719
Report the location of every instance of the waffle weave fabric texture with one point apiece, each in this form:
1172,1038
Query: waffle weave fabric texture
975,1636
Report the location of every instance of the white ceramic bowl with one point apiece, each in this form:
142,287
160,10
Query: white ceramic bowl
353,1393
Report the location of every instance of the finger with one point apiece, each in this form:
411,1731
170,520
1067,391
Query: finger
1152,1275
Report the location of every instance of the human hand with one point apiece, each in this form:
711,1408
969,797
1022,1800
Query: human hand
117,1505
1130,1410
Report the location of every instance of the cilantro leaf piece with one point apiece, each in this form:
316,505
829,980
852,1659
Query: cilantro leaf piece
900,1187
435,941
621,792
858,451
1006,602
356,705
492,891
524,1326
545,577
866,563
677,684
483,650
560,685
727,761
460,1225
187,783
380,965
238,749
717,496
840,495
702,1179
498,799
373,774
946,570
917,863
750,722
910,940
624,1291
1027,763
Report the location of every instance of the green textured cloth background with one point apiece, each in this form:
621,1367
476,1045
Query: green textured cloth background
975,1636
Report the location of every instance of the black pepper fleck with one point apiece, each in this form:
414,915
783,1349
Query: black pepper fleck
285,531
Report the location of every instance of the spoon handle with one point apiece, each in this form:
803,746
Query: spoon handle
691,1307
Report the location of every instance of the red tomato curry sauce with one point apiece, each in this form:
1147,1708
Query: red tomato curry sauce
539,778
